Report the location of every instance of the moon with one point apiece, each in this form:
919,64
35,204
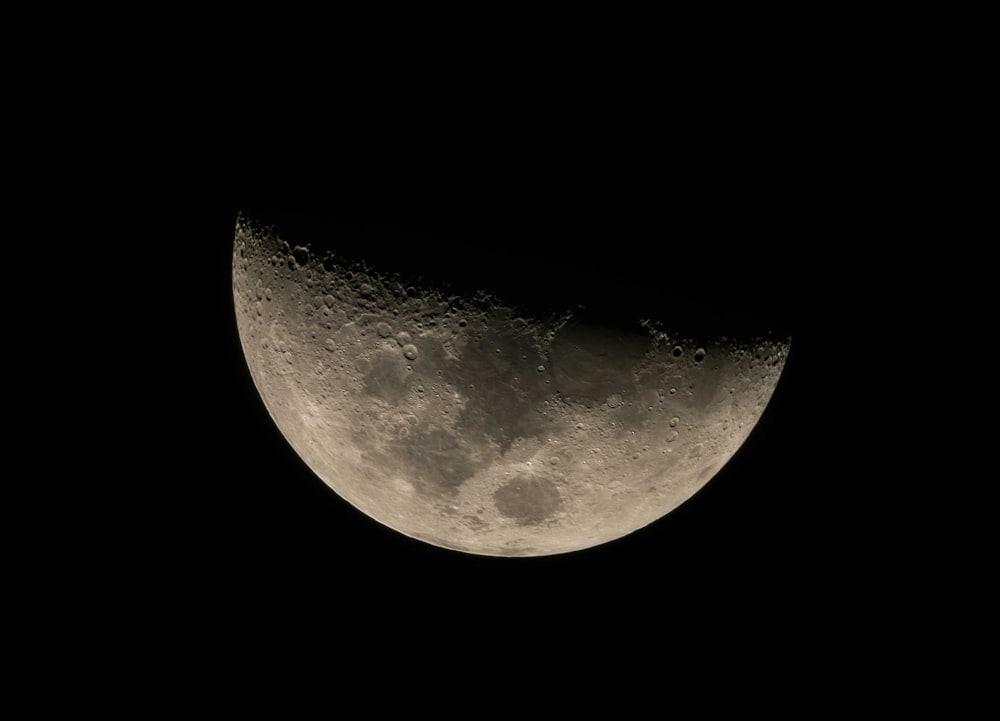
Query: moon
470,423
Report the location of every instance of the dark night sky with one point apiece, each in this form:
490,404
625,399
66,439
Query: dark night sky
209,525
249,521
743,532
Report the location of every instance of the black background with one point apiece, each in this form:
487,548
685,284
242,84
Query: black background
238,520
265,521
184,511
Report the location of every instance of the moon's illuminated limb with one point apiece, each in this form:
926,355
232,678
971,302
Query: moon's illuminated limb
458,421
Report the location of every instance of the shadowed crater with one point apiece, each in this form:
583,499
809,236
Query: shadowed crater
528,500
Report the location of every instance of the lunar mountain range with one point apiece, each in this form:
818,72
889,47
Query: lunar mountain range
467,422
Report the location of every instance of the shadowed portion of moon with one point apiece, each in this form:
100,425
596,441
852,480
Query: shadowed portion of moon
470,423
591,363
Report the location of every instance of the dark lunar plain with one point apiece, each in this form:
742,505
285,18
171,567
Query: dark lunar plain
251,526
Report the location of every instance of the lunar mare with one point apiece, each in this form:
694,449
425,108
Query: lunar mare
465,423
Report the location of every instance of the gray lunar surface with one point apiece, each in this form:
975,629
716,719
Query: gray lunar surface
465,423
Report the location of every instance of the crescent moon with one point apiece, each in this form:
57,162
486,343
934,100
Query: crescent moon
467,423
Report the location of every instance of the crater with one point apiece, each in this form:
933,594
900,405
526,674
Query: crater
386,378
528,500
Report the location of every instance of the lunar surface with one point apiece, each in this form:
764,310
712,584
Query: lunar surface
468,424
